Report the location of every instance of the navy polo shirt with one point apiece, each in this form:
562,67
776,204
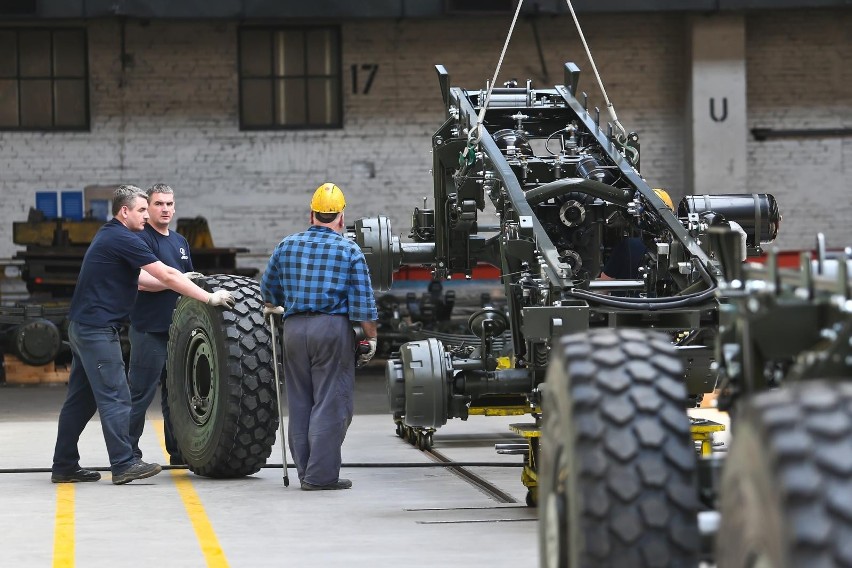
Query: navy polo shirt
109,277
625,259
153,310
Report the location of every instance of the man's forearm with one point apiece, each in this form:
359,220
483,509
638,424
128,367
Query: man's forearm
370,328
175,280
183,285
147,283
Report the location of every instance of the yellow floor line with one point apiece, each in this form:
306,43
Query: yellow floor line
213,553
63,533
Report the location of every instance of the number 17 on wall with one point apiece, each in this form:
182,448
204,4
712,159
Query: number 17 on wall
367,69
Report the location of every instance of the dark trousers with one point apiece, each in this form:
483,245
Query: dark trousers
319,373
148,352
97,382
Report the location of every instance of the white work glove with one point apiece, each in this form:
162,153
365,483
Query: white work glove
272,310
193,275
221,298
364,358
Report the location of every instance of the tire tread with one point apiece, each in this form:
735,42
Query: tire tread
251,420
638,500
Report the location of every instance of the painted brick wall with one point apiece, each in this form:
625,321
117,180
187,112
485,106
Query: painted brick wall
172,117
799,76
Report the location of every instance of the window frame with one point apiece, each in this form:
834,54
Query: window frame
52,77
272,77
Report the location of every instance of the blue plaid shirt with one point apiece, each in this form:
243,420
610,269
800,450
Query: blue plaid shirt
319,270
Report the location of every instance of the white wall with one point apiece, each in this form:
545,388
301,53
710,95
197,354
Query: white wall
172,117
717,106
799,76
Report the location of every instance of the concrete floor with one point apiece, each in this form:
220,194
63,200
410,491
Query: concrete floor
393,516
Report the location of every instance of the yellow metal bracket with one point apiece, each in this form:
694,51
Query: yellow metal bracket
702,431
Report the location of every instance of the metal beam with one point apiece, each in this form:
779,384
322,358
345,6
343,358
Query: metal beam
370,9
763,134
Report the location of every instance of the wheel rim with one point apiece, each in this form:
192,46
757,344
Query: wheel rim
759,559
200,370
554,515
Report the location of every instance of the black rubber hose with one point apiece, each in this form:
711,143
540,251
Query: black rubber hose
362,465
566,185
643,303
661,300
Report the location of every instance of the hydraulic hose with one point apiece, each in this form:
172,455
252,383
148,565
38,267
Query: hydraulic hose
361,465
646,300
649,304
566,185
659,303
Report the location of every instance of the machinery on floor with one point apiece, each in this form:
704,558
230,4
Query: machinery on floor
785,362
33,333
529,180
35,330
777,497
55,249
541,190
434,312
606,366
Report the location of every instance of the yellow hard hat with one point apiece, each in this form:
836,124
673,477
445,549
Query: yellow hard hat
664,195
328,198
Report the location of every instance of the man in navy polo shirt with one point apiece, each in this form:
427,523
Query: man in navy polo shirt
103,298
151,318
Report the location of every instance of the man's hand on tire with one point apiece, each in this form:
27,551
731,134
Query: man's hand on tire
221,298
272,310
366,350
193,275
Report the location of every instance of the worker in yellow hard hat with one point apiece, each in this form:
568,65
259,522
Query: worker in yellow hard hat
664,195
319,281
328,199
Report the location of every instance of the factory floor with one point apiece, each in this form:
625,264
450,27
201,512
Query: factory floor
393,516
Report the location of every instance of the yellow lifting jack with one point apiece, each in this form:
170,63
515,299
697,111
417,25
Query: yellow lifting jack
702,433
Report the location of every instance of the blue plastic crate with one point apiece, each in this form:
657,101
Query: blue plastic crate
46,202
72,205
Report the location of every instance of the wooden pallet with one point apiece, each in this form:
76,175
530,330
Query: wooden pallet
19,373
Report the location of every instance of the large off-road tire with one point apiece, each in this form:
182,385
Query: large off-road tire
617,460
786,492
221,381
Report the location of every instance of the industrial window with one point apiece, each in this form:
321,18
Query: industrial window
290,78
43,79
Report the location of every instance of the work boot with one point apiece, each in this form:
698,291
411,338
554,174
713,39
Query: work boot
79,476
339,484
139,470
